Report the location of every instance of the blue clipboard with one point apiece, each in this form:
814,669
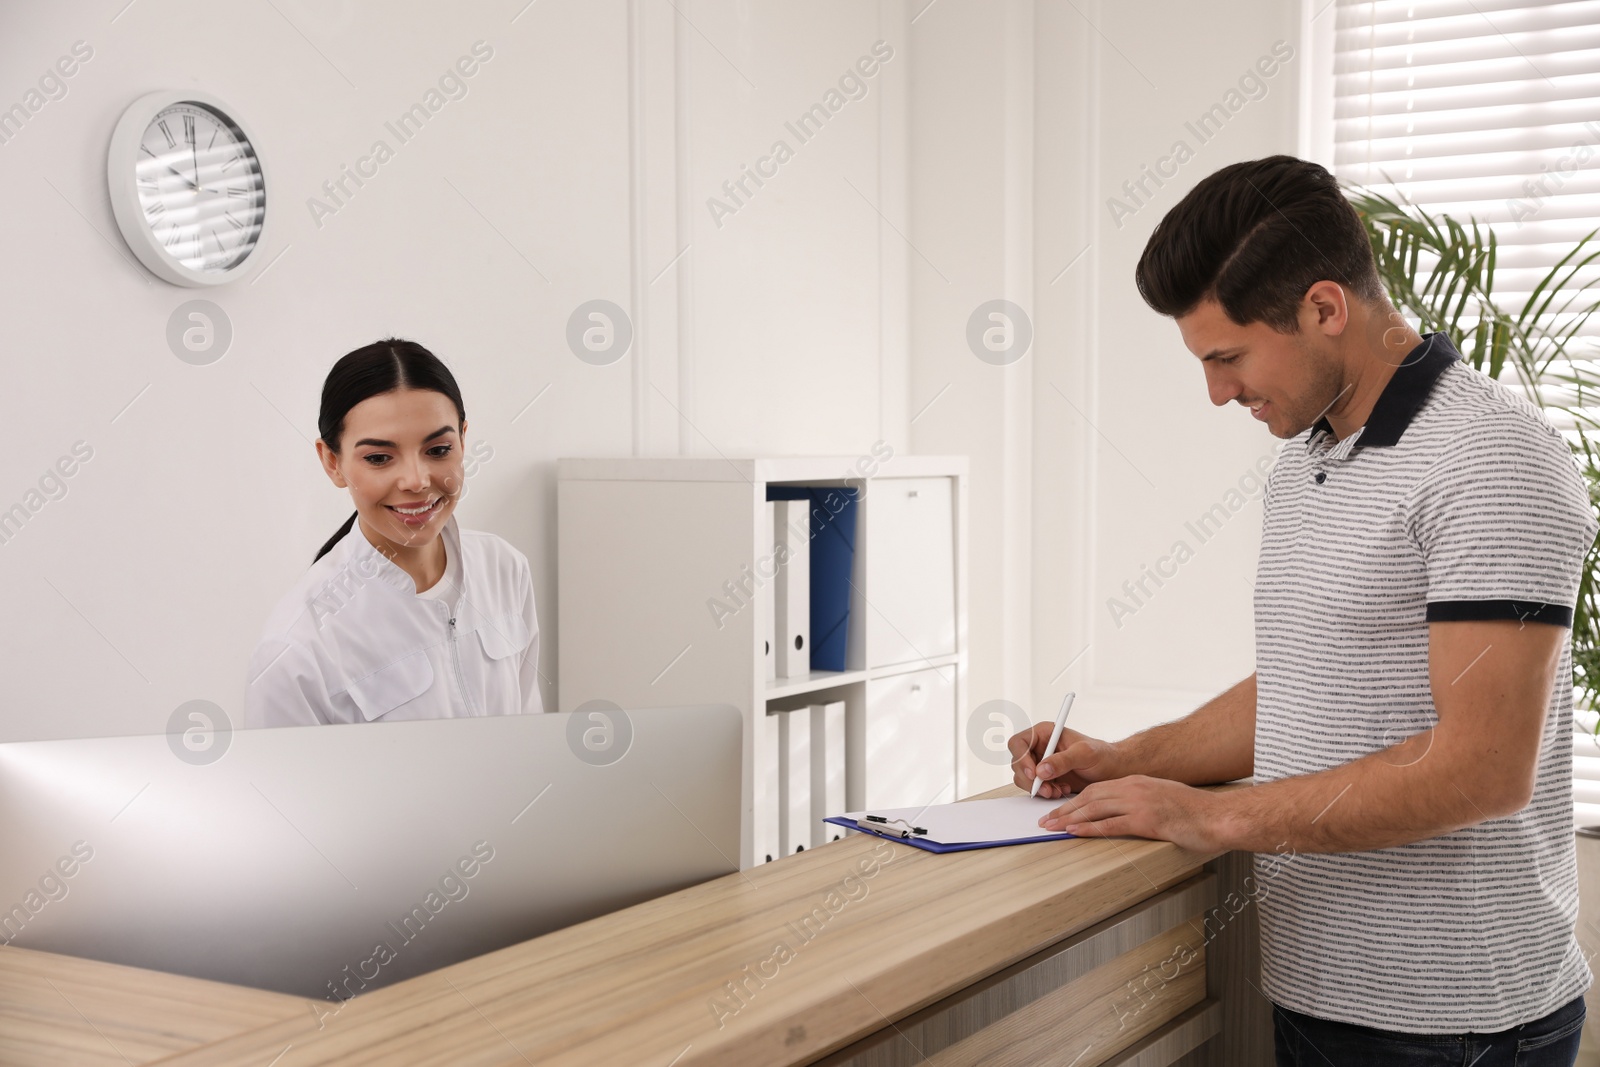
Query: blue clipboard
928,845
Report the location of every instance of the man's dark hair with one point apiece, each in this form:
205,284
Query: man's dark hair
1255,236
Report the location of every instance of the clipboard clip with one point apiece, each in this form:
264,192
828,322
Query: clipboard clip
879,824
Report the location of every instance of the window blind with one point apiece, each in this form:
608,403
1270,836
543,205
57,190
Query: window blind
1585,770
1487,110
1481,108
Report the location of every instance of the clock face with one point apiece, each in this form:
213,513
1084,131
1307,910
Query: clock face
199,187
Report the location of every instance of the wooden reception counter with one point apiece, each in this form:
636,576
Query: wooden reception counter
861,952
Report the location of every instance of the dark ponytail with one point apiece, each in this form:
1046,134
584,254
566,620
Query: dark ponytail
336,538
381,367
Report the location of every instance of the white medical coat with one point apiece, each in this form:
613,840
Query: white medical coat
352,641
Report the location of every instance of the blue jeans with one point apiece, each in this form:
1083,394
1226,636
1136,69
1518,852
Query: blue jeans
1306,1041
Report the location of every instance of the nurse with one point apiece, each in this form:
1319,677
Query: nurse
402,614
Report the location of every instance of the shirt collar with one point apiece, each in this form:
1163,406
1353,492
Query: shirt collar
368,560
1403,395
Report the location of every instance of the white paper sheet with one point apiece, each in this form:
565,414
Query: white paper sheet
997,819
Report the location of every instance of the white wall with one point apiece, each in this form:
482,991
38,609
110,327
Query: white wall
583,152
827,312
971,234
1092,451
1165,455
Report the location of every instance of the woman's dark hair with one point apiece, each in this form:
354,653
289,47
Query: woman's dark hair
381,367
1255,236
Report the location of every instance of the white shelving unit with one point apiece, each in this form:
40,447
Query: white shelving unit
648,547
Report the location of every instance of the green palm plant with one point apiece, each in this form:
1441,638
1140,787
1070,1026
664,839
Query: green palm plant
1441,272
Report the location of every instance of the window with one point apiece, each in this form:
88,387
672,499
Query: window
1585,770
1482,108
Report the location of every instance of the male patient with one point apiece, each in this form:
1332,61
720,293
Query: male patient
1409,720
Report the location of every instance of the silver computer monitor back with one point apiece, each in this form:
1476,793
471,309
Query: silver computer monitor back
327,861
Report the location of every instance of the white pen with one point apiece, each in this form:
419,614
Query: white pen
1055,739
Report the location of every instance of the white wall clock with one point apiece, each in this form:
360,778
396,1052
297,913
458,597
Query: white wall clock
188,188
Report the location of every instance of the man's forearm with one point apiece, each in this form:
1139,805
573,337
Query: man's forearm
1214,743
1411,791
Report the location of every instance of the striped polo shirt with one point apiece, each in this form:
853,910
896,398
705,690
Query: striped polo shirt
1457,500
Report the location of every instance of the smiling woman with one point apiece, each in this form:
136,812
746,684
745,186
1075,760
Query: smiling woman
402,614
